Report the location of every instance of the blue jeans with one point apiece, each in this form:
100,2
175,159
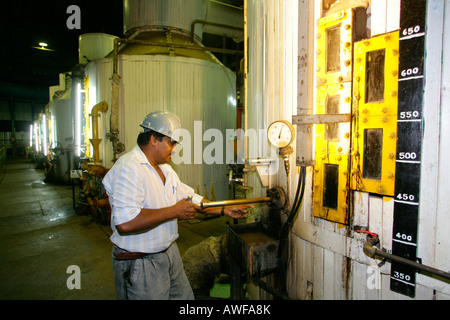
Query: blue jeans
158,276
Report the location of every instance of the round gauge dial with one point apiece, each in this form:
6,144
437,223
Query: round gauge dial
280,133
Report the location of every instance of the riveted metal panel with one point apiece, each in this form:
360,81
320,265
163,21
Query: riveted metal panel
335,37
331,171
375,104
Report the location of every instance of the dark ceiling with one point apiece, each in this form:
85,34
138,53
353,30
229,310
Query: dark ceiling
24,23
27,72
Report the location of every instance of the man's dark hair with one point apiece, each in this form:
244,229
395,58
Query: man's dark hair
144,137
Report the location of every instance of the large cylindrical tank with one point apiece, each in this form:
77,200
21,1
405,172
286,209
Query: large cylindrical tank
60,110
162,13
192,84
93,46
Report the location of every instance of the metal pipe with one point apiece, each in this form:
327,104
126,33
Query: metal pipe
245,94
113,134
371,251
211,23
235,202
226,4
95,113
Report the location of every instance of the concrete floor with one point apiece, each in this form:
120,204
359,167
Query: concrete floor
41,235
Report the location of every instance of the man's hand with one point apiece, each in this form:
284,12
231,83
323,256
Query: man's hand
186,209
237,212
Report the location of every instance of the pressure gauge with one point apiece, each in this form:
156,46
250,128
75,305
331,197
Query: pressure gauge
280,133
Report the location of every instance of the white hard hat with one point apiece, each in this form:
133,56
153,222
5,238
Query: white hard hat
164,122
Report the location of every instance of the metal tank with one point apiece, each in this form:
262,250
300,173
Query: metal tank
157,67
61,138
93,46
162,13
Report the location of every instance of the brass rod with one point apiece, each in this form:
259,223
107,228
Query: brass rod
223,203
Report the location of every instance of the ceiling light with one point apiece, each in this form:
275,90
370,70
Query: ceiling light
43,46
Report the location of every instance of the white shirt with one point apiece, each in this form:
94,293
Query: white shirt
133,184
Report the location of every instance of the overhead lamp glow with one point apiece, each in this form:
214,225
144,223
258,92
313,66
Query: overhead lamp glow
43,46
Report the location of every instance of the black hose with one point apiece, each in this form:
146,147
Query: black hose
297,201
287,225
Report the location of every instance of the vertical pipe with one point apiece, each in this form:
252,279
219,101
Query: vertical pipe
113,134
246,92
95,141
44,130
78,119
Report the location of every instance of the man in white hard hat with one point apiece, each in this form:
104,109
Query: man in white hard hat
147,198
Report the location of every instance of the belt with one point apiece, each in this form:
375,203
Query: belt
134,255
130,255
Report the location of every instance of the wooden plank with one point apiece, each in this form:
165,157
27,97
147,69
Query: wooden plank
386,293
392,15
300,269
329,277
430,149
375,214
358,281
308,269
292,272
321,118
378,18
388,219
386,235
442,296
423,293
318,280
361,209
443,216
340,277
373,285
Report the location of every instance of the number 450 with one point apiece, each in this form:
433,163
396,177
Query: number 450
405,197
411,30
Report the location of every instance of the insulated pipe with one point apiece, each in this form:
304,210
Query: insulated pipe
371,251
211,23
245,95
95,113
100,107
223,203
